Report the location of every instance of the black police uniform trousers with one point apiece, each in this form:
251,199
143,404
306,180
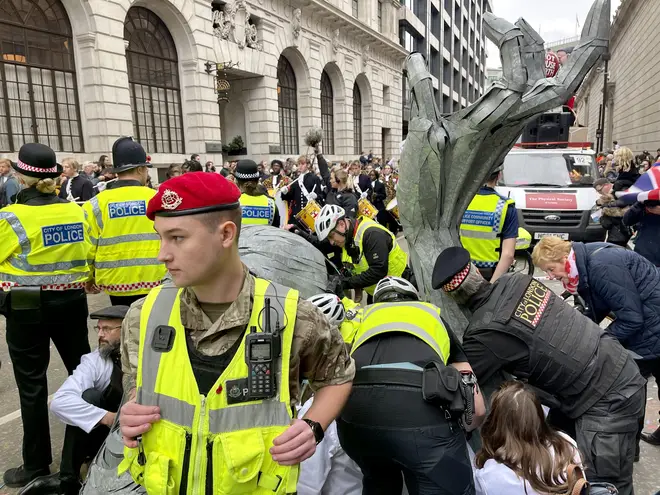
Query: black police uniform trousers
62,319
648,367
394,435
606,433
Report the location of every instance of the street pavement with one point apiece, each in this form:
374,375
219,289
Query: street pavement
647,480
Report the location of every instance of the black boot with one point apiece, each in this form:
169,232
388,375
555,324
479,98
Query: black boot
43,485
18,477
652,438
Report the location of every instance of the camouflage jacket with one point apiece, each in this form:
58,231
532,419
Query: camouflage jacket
318,352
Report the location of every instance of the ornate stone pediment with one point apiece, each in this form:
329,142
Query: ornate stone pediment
233,23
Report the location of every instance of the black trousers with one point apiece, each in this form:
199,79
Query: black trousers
125,300
647,367
80,446
63,320
393,434
606,432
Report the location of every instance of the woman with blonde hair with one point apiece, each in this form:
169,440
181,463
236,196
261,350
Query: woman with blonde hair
628,173
521,453
341,192
76,187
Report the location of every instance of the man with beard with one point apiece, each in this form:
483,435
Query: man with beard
87,402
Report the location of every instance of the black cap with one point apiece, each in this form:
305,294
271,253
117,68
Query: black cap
37,160
128,154
246,170
110,313
451,262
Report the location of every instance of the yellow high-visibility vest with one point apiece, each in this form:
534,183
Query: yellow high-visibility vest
481,228
46,245
218,441
257,210
125,245
397,259
421,320
352,320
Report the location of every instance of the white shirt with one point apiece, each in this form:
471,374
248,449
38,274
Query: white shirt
68,404
329,471
497,479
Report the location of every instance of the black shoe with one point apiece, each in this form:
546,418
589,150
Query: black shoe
43,485
652,438
18,477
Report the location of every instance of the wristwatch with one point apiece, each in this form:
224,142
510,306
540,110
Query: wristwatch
317,429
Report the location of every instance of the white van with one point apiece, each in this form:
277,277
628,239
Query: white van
554,193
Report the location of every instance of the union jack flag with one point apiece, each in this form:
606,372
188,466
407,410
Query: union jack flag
646,188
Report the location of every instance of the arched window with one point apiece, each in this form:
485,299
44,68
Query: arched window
357,119
287,105
38,91
153,79
327,115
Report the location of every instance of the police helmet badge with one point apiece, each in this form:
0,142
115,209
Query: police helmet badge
171,200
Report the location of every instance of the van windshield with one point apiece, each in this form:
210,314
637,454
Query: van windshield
549,169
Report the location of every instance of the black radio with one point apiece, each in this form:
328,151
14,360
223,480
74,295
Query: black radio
261,352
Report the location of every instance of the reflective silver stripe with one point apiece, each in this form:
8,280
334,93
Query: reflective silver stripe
67,278
409,327
18,229
20,263
120,239
171,409
97,212
125,263
233,418
370,310
159,315
477,234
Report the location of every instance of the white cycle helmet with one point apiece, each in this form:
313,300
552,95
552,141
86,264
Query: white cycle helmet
331,306
326,220
392,289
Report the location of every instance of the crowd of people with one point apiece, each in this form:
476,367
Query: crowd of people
236,384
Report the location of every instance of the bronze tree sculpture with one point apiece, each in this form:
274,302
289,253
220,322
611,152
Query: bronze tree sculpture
446,159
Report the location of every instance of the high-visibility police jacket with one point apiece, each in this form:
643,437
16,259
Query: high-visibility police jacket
481,228
217,443
125,245
257,210
46,245
421,320
397,260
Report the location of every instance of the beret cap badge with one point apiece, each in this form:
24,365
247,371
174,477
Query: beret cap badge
171,200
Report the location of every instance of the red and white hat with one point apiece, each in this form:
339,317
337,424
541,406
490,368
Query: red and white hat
37,160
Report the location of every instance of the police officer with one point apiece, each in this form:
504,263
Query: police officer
392,426
213,362
489,230
521,327
256,207
125,246
370,247
43,266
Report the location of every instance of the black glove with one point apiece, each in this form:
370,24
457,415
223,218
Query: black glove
336,285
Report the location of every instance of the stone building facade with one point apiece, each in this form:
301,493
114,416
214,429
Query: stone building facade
632,110
77,74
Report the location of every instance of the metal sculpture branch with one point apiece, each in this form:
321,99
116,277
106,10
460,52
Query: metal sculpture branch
446,159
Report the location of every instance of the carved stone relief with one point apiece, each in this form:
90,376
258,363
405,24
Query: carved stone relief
233,24
296,25
335,41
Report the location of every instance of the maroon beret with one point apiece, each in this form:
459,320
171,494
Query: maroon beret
193,193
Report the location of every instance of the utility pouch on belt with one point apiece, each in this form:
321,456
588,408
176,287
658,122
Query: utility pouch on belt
441,386
25,303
